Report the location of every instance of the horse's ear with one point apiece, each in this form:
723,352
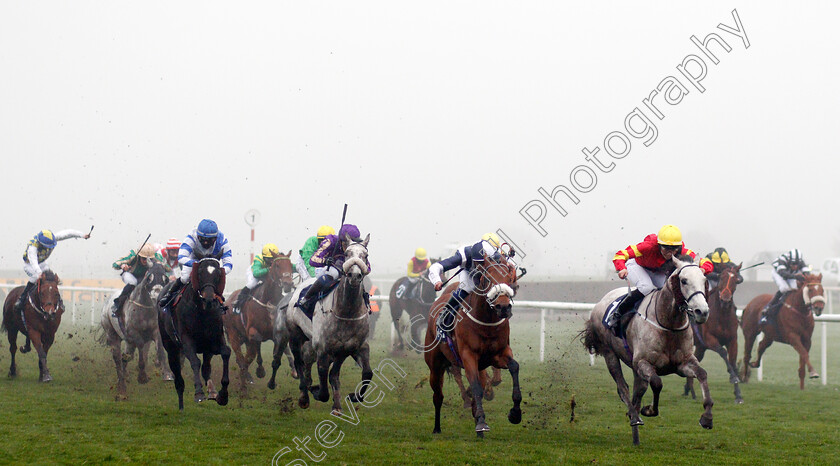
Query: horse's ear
677,261
366,241
739,266
347,239
289,253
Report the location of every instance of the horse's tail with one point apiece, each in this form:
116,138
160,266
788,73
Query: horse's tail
590,339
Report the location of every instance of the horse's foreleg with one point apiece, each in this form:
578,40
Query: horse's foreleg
236,347
692,369
436,382
322,394
477,387
276,360
749,341
116,352
165,370
206,374
689,388
645,374
174,357
36,338
303,382
363,359
260,367
335,383
142,353
222,397
515,414
762,347
396,315
803,359
466,396
291,360
195,364
806,343
733,373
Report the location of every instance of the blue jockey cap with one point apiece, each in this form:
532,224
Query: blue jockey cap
207,229
46,238
349,229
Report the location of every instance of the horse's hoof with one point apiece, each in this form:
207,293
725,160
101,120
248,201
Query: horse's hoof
734,380
814,375
199,397
248,379
46,378
637,422
435,431
295,375
12,374
127,357
489,394
25,349
142,378
271,385
336,412
260,372
168,377
222,398
479,434
648,411
739,401
482,427
354,398
754,365
515,416
303,402
121,397
706,421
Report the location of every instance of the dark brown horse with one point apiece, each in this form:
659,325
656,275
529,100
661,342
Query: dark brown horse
194,325
255,323
481,339
794,324
417,308
720,332
39,320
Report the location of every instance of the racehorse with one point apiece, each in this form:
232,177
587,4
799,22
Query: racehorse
794,324
481,340
38,321
657,343
254,324
141,329
338,329
720,332
194,325
416,308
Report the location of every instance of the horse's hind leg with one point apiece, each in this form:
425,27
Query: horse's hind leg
689,388
436,382
260,367
206,374
116,352
614,367
160,356
291,360
749,341
466,396
304,382
174,357
142,354
646,374
42,357
322,394
12,336
692,369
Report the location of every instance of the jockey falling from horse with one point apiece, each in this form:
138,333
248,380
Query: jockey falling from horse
303,267
785,269
469,258
170,257
720,262
259,268
416,266
330,257
38,250
133,267
644,265
206,241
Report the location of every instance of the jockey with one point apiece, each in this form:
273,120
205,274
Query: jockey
643,264
416,266
170,257
303,267
37,251
203,242
330,257
259,268
134,265
720,262
468,258
785,269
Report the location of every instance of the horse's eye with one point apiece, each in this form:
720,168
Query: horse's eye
684,281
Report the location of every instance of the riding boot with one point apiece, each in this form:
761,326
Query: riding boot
166,300
624,307
244,296
446,319
768,314
116,311
23,295
314,290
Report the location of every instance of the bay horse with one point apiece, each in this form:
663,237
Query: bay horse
194,325
338,329
720,332
141,329
38,321
658,341
481,339
254,324
794,324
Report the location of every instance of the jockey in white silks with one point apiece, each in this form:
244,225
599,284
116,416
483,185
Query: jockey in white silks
785,269
468,258
203,242
38,250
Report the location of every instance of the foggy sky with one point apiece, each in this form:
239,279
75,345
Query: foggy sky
434,121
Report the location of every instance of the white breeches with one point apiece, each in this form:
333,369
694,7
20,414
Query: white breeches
466,281
300,268
643,279
128,278
251,282
331,271
784,285
34,274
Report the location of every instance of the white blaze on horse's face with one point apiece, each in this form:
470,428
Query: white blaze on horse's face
692,284
813,294
355,261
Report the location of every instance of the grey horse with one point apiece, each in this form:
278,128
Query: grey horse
141,330
338,329
658,341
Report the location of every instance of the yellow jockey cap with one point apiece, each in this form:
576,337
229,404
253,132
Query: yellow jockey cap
270,250
420,254
669,235
720,256
493,239
324,231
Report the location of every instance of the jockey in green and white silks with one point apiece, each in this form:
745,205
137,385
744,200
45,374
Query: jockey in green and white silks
133,268
310,247
37,252
259,269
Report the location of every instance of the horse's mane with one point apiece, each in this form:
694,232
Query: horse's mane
51,276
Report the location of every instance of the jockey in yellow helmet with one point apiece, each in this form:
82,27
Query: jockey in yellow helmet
259,268
35,257
302,266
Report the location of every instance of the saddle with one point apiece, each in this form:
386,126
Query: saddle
309,308
625,319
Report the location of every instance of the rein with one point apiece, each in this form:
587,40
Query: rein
682,307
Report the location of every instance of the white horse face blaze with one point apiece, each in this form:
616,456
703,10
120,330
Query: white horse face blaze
692,281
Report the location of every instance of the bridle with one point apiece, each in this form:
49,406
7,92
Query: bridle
682,307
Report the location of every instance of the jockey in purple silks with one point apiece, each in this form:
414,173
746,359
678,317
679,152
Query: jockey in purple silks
330,255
